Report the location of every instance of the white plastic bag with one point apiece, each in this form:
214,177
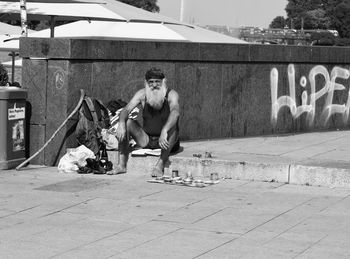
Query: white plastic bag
110,139
75,158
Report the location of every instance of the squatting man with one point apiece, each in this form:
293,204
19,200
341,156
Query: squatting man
160,121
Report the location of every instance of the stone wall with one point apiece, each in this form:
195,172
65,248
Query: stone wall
226,90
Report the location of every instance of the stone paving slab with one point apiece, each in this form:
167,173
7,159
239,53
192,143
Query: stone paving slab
129,218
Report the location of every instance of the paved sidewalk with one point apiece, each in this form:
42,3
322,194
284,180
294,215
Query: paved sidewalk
47,214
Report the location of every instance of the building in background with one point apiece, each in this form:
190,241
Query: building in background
284,36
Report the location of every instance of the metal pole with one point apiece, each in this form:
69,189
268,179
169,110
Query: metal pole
13,54
24,18
182,10
52,26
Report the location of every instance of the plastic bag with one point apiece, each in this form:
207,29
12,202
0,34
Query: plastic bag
110,139
75,158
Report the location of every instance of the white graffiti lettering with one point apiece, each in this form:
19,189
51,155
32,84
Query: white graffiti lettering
308,102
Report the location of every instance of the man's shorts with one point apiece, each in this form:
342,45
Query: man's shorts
153,143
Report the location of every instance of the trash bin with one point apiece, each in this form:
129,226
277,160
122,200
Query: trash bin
12,126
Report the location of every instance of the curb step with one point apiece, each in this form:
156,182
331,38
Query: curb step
245,170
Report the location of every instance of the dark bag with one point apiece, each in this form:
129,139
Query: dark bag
93,117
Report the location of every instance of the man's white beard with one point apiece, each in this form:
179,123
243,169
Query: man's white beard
155,97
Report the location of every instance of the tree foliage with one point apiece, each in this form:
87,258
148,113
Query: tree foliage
149,5
339,13
279,22
308,14
319,14
323,38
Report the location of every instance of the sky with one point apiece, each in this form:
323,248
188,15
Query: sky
233,13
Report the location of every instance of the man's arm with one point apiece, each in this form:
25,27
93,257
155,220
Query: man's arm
173,100
123,116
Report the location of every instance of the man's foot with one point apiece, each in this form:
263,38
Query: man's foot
157,172
118,170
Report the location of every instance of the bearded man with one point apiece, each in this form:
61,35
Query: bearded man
160,122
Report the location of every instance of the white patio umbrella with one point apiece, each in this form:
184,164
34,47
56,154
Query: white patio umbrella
127,31
71,10
108,19
57,11
134,31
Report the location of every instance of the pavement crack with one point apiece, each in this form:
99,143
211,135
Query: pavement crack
313,244
190,204
58,211
150,240
18,212
147,195
212,249
207,216
331,205
275,217
94,241
233,239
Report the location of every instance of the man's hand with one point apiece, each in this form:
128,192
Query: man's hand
121,132
163,140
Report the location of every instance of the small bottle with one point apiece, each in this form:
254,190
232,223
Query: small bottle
104,156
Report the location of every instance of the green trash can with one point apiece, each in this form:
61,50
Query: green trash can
12,126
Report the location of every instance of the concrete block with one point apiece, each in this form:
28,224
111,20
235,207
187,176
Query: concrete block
141,165
224,52
80,77
36,141
170,51
319,176
96,49
45,47
57,94
268,53
34,81
200,93
230,169
300,54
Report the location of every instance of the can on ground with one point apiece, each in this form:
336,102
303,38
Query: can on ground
12,126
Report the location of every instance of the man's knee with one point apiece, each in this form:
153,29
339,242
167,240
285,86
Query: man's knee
135,130
130,125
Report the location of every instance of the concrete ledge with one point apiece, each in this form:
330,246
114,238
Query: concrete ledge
205,167
244,170
319,176
232,169
84,49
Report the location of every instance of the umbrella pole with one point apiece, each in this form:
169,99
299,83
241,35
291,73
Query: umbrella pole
52,26
13,55
23,18
182,10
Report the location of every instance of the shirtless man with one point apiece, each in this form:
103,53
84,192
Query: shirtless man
160,121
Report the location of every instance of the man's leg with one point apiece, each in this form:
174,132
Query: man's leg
158,169
134,129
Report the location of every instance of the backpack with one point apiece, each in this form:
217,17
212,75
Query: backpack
93,117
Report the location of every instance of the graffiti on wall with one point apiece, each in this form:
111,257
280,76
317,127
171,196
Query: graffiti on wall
308,101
